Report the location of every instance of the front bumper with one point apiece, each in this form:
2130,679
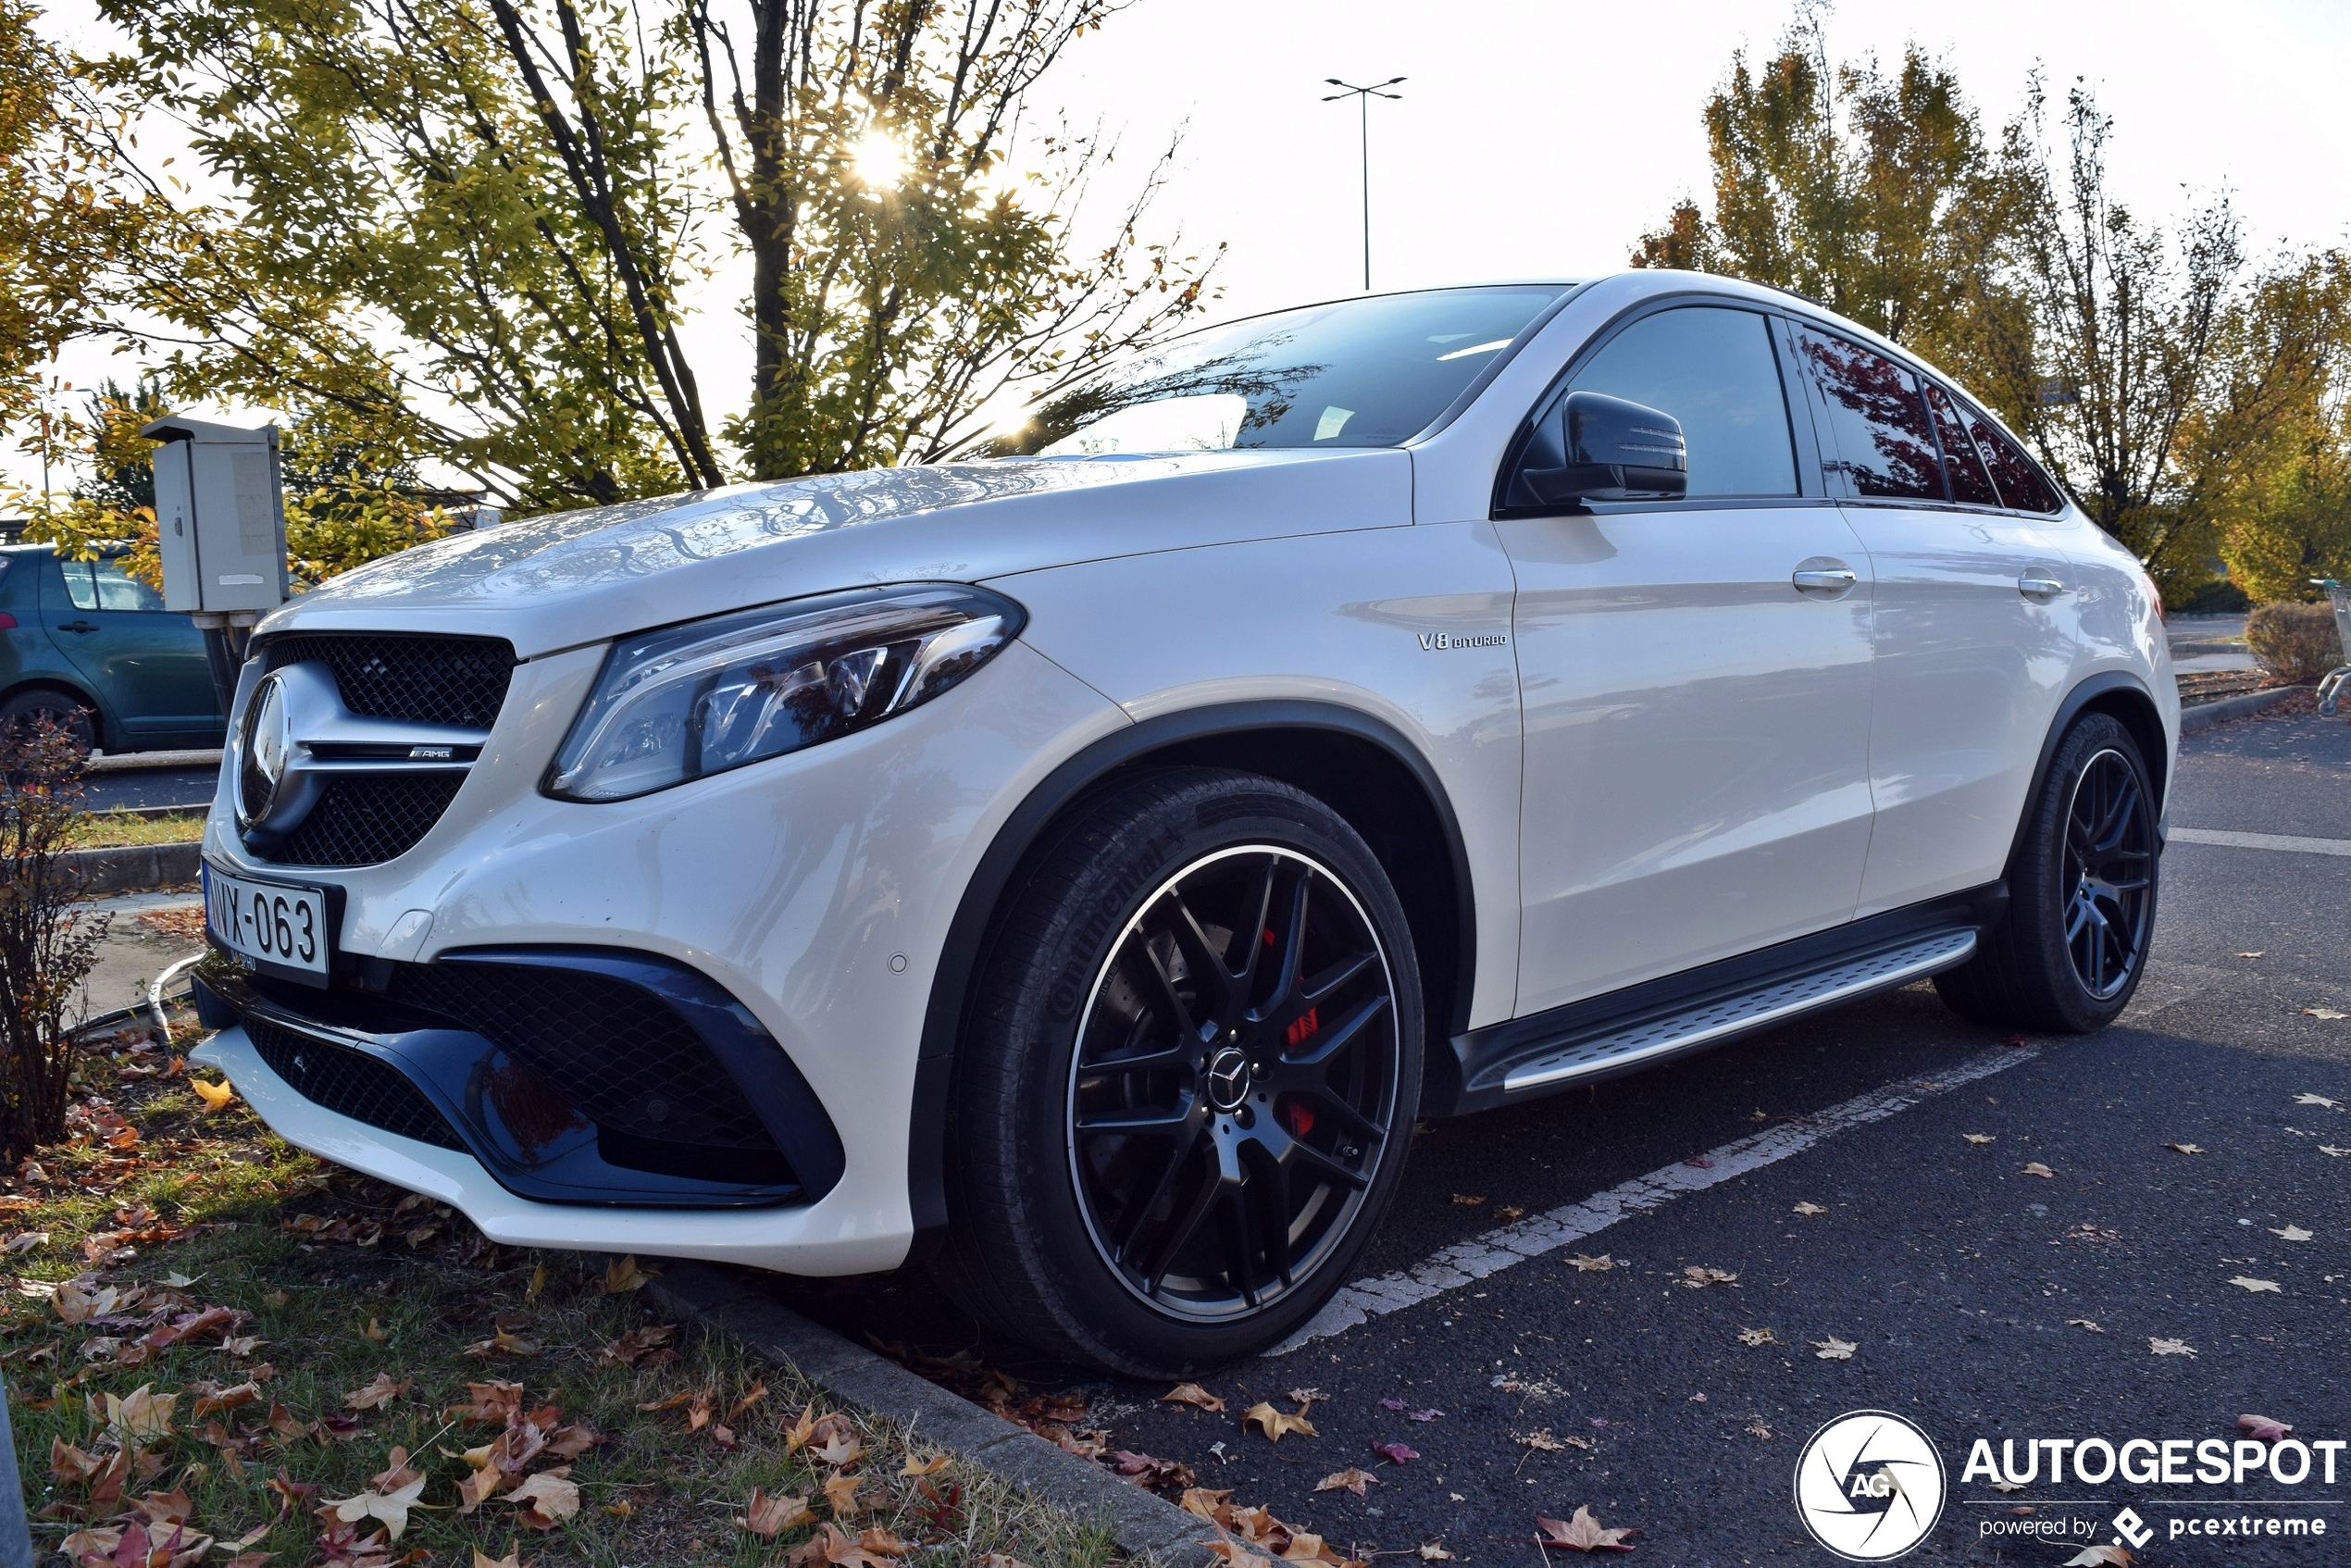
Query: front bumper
815,890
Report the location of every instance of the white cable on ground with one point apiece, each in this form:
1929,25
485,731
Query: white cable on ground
155,994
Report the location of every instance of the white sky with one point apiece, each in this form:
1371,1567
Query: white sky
1541,138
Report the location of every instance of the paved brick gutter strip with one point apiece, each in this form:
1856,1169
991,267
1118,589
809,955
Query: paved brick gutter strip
1144,1524
2204,716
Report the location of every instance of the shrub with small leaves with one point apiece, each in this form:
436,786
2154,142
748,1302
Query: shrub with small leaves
2295,641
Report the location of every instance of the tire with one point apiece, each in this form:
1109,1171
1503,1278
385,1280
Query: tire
61,708
2067,955
1131,1145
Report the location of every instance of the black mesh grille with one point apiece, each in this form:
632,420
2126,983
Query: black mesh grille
453,680
351,1083
620,1054
365,819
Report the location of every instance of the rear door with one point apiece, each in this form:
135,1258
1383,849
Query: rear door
143,661
1976,616
1697,723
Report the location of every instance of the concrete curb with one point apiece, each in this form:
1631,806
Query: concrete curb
1144,1524
135,867
2204,716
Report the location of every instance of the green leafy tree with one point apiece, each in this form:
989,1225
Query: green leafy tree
465,227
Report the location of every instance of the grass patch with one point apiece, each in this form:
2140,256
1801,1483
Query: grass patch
332,1282
118,829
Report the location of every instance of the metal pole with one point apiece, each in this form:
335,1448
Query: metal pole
16,1532
1363,96
1364,120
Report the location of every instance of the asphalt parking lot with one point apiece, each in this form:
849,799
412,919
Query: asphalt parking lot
1861,1178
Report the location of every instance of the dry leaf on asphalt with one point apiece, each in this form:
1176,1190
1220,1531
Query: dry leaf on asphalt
1834,1348
2171,1347
1398,1453
2338,1154
2318,1099
1582,1533
1469,1199
1980,1137
2183,1149
1809,1208
1274,1423
2256,1285
1347,1480
1698,1279
2084,1323
1509,1212
2327,1012
2038,1169
1758,1337
2262,1429
546,1499
1541,1441
1194,1395
1755,1429
1434,1551
1582,1265
2113,1555
2293,1232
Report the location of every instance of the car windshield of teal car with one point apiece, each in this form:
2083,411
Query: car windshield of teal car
1363,372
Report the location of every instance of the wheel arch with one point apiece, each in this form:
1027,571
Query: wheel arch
2124,697
1359,766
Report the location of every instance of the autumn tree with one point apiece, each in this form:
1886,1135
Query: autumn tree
466,229
1877,195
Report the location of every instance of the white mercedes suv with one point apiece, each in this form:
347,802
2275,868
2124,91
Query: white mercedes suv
1076,869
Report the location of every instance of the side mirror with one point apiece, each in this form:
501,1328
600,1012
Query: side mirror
1613,449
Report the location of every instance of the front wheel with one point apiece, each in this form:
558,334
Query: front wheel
1187,1091
2069,952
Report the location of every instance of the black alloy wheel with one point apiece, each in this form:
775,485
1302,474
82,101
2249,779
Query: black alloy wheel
1186,1085
2083,882
2109,864
1236,1071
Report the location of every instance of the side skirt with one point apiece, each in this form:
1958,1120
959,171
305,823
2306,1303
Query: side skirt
1643,1025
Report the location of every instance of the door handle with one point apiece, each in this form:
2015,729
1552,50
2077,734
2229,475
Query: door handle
1825,576
2039,589
76,626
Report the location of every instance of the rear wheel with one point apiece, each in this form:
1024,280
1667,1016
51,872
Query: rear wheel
1187,1092
2082,894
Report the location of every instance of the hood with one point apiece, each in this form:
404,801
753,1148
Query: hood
573,577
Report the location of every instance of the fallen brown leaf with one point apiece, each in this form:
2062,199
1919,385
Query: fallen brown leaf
769,1517
1582,1533
2262,1429
1194,1395
1350,1479
1274,1423
376,1395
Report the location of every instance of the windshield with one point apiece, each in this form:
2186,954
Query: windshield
1364,373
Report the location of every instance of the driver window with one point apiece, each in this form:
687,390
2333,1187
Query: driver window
1713,369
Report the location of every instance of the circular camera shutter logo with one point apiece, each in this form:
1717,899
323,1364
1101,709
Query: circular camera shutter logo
1868,1486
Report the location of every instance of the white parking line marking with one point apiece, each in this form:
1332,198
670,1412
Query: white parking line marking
1465,1262
2286,841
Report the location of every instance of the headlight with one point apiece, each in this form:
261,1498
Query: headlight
690,701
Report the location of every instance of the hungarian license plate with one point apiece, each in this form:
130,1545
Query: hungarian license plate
281,925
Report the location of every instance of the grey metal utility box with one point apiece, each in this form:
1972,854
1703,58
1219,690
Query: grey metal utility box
220,517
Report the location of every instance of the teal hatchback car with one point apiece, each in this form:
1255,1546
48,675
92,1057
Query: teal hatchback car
93,649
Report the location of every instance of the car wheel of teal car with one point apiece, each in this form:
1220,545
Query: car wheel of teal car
26,709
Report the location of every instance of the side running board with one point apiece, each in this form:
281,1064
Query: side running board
1605,1036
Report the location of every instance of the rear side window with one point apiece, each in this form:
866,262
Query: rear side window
1970,485
2023,487
1713,369
104,585
1877,423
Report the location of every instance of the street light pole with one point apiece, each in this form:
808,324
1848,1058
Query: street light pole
1363,96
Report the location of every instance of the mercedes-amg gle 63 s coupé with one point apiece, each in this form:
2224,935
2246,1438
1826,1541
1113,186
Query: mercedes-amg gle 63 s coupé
1073,870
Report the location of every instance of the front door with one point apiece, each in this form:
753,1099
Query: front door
1975,619
143,661
1697,712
